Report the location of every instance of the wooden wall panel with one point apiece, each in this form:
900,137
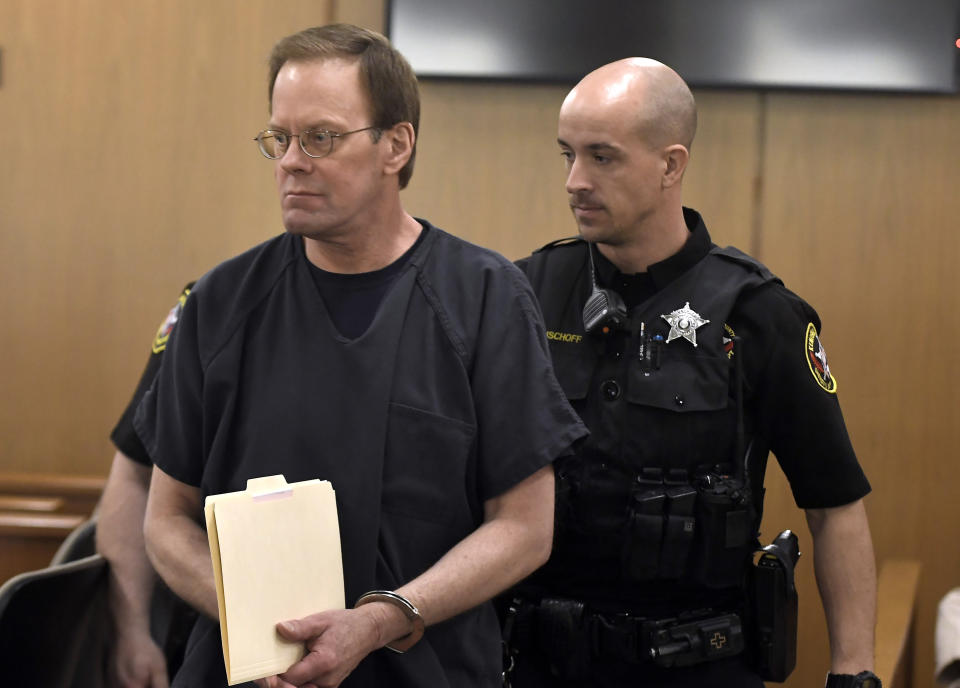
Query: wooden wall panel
127,169
722,176
489,169
859,216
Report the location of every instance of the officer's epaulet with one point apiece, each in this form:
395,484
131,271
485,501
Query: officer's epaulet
566,241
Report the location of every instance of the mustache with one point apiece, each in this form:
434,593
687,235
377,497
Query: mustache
584,200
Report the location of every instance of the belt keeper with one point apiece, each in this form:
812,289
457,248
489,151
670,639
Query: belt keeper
403,643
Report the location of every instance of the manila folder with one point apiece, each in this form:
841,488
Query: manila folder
276,556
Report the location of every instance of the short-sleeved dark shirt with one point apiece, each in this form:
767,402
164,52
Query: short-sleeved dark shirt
124,437
448,399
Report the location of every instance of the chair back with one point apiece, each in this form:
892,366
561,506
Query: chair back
80,543
53,626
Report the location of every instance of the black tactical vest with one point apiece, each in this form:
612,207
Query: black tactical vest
652,497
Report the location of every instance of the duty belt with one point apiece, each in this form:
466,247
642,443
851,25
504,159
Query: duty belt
573,636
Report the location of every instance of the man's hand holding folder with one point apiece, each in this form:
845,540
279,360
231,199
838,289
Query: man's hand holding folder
336,642
261,540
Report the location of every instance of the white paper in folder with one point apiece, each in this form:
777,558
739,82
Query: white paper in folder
276,556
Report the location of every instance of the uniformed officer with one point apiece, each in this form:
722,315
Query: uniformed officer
688,363
136,661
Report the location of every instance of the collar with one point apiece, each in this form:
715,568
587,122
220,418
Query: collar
696,247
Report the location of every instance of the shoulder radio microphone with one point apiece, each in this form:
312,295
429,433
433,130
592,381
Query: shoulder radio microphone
604,310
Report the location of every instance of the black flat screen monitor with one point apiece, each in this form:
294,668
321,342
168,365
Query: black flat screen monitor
874,45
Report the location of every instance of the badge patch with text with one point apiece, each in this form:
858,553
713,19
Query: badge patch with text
166,327
817,360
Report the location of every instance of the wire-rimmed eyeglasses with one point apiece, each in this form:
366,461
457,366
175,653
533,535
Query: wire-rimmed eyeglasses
316,143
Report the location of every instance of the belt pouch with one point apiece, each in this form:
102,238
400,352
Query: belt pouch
705,640
723,541
678,531
641,548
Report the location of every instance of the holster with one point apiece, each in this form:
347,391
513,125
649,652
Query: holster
775,607
563,636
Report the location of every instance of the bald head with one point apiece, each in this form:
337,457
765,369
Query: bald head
625,133
641,93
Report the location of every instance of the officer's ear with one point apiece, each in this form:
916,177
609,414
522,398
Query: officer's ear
399,140
675,157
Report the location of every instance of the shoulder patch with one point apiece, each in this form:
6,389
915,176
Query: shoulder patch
816,357
166,327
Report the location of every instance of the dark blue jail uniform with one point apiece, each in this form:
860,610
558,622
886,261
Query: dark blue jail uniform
446,400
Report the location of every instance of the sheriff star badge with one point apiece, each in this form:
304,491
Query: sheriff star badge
684,323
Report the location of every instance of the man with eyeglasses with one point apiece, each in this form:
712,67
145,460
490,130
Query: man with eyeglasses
376,351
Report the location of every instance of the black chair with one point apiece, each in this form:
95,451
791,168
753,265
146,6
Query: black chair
170,618
80,543
53,626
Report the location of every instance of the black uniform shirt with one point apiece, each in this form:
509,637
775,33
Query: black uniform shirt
790,407
124,437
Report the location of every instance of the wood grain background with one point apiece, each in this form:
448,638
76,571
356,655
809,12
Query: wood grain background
127,169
